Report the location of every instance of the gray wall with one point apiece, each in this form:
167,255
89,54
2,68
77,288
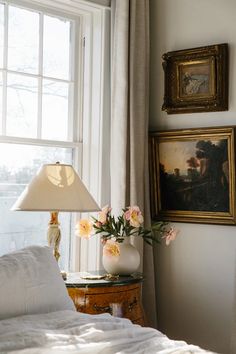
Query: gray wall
196,273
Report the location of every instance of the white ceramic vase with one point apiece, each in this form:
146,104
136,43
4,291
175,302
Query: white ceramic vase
127,262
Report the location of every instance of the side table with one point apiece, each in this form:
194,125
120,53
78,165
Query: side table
118,296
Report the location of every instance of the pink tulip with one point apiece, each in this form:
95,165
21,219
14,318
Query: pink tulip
102,216
134,216
170,235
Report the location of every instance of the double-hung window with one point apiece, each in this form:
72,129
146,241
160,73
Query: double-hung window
45,90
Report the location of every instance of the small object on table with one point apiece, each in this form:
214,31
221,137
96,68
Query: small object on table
93,277
99,277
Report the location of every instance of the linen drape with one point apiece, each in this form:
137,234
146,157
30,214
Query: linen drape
129,124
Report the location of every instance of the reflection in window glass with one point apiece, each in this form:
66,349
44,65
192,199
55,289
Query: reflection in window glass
20,229
1,33
23,40
22,105
55,110
56,47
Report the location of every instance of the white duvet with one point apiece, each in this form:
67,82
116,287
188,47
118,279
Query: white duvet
73,332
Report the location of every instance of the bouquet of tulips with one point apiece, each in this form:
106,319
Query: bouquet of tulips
129,223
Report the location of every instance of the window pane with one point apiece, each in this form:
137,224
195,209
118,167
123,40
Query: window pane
22,103
56,49
55,110
1,33
19,164
23,41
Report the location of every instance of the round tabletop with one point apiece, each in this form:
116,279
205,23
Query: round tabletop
100,278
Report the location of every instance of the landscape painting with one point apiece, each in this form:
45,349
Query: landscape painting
194,175
194,178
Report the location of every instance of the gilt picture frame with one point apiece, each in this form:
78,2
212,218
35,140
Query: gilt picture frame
196,80
192,175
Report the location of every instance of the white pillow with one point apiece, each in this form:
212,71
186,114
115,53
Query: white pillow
30,282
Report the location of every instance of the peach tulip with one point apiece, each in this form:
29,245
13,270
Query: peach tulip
84,228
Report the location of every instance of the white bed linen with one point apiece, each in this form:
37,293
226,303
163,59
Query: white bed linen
71,332
30,283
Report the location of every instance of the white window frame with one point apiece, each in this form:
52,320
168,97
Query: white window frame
92,133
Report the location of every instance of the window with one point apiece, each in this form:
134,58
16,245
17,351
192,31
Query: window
36,75
37,87
50,87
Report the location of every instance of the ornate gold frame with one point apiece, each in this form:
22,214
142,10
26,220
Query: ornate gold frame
191,135
216,99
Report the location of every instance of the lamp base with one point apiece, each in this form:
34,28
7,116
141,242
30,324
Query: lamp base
54,234
54,238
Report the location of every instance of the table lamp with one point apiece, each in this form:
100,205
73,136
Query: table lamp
56,187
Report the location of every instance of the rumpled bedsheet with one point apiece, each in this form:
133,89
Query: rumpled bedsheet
72,332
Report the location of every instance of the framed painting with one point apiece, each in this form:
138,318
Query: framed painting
196,80
192,175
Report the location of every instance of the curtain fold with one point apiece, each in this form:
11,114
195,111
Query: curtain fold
129,125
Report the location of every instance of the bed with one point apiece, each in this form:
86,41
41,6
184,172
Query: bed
38,316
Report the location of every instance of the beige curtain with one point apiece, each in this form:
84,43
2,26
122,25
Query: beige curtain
129,124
